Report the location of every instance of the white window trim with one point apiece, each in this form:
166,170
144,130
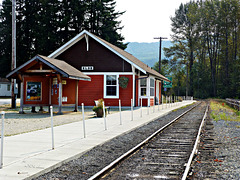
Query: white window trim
105,87
143,87
148,89
153,87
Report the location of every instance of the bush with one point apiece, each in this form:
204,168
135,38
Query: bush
99,108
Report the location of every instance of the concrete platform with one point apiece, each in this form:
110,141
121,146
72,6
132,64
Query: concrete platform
28,155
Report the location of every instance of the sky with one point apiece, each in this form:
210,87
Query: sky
146,19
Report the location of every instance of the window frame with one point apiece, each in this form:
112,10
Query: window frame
150,87
105,86
140,87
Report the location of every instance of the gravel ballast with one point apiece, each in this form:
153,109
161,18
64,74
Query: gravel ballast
96,159
219,153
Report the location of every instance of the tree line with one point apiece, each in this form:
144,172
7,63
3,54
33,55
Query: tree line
45,25
204,59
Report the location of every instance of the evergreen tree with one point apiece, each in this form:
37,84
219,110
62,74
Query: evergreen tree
5,37
45,25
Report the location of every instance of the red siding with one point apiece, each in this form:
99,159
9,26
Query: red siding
136,94
94,90
144,102
88,91
125,94
151,101
69,91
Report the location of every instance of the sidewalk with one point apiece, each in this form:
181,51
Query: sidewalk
29,155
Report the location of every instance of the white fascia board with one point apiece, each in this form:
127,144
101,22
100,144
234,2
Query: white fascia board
79,37
108,73
78,78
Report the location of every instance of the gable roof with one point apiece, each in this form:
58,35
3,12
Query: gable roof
121,53
60,66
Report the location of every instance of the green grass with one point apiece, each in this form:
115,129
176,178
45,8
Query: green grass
221,111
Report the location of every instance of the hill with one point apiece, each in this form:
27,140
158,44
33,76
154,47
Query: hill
147,52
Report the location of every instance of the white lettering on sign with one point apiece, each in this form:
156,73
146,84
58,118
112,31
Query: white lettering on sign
87,68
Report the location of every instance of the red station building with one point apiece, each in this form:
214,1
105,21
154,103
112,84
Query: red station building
85,69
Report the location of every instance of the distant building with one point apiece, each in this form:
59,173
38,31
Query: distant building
5,87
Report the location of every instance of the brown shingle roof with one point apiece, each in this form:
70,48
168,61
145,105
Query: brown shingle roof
65,67
123,54
60,66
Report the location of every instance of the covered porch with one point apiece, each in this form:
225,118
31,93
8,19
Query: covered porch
48,82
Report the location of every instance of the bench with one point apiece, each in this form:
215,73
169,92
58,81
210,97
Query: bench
106,107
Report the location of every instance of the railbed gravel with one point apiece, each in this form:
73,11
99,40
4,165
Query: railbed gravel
100,156
219,152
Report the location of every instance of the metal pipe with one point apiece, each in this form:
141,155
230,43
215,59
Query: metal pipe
120,112
2,138
132,109
51,112
84,129
104,115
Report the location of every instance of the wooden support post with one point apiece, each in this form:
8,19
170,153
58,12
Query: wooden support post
41,109
33,109
76,97
21,99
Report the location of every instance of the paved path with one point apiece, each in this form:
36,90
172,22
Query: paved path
30,154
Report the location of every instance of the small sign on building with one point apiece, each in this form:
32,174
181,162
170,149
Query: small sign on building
87,68
167,84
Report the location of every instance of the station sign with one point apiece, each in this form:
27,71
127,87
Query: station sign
167,84
87,68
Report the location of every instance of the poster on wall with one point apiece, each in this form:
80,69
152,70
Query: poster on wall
34,91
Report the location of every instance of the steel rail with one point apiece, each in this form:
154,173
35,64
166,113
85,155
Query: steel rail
134,149
194,151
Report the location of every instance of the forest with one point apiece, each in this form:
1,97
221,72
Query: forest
45,25
204,60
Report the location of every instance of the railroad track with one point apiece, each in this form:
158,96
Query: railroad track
166,154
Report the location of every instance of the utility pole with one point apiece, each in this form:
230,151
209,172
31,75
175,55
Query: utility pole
13,82
160,51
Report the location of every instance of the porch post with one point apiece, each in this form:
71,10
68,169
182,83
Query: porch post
76,97
21,99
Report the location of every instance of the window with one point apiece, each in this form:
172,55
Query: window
143,87
8,87
111,86
152,85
